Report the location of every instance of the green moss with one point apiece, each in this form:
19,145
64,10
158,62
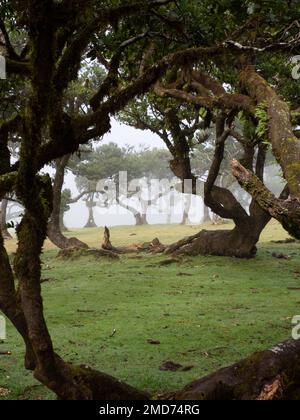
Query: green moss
261,113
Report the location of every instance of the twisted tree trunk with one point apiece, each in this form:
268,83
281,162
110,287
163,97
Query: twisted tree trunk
285,145
241,241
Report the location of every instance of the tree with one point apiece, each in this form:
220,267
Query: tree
88,189
196,139
57,36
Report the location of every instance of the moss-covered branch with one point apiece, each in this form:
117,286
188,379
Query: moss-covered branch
287,212
285,145
268,375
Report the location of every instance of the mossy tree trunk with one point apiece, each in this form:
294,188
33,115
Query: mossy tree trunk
286,148
265,376
285,145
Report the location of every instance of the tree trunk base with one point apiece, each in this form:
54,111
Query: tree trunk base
239,243
230,243
62,242
140,220
90,225
85,384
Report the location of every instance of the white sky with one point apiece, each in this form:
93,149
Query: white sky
122,134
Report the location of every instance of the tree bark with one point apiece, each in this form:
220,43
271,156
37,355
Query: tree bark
140,219
268,375
286,148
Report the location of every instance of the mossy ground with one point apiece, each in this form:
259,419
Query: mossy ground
207,312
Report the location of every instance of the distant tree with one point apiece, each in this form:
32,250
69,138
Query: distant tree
88,192
106,163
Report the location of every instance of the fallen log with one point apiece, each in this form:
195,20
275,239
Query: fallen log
268,375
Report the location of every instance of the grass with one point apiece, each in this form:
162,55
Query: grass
207,312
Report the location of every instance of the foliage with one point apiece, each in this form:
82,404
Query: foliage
108,160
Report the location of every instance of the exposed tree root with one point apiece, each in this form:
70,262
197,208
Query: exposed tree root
268,375
61,241
239,242
74,253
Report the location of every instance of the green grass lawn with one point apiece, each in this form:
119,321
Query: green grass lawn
206,312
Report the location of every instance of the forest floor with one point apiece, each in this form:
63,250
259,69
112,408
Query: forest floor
203,313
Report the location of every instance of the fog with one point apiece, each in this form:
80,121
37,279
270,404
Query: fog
124,135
